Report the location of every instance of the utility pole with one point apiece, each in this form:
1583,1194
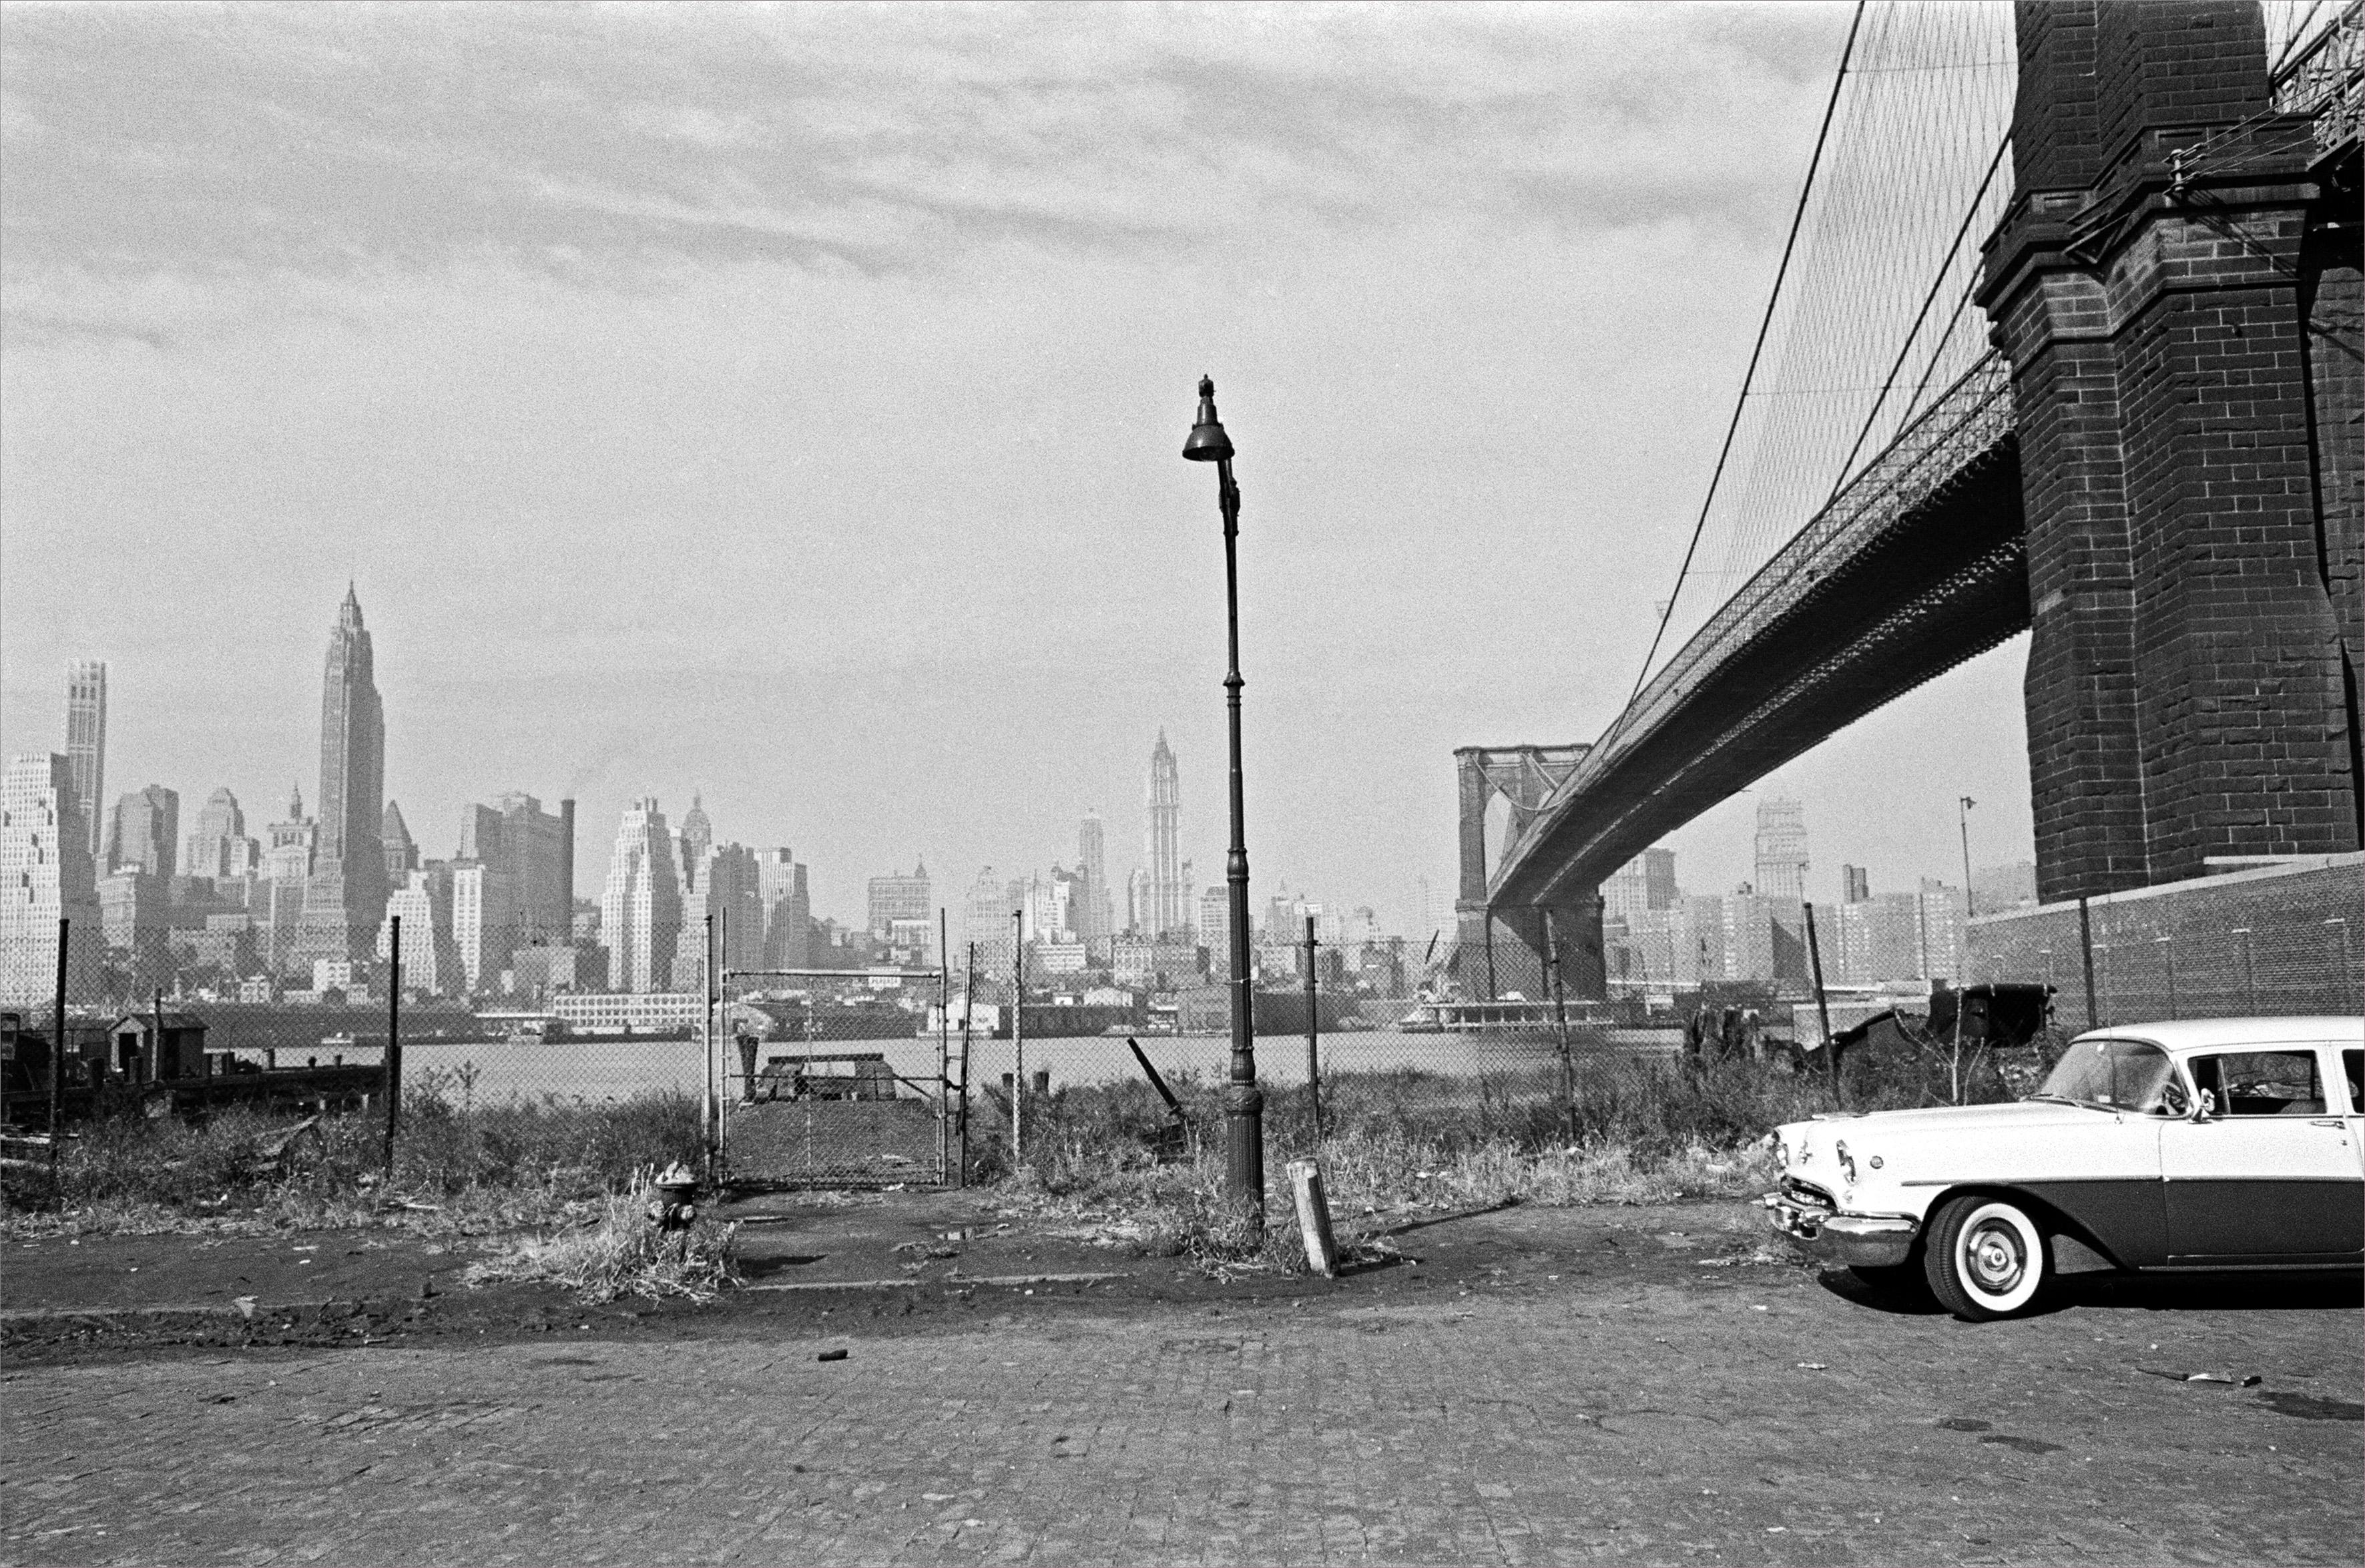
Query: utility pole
393,1039
1822,1003
1560,1018
969,1015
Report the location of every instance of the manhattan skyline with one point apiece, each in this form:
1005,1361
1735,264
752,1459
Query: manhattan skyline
923,428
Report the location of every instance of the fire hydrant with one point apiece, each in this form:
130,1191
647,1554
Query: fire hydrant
676,1206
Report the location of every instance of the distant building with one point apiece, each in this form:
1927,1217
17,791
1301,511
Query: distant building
899,896
1856,884
1098,922
430,951
532,852
145,831
987,909
132,910
786,906
402,849
1166,907
1781,849
725,903
694,839
1645,882
86,747
1216,921
1878,937
277,901
217,845
45,876
640,908
1995,888
345,899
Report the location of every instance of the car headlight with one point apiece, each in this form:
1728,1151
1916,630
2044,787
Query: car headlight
1840,1152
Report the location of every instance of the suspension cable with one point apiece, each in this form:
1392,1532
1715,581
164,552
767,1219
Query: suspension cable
1765,325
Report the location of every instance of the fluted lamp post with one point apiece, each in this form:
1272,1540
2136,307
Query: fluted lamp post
1243,1101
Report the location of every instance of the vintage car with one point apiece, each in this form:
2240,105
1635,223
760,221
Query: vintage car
2227,1143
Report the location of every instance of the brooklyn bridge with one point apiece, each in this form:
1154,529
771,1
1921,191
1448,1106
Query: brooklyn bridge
2066,339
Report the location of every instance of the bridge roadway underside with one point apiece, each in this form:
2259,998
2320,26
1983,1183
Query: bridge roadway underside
1948,580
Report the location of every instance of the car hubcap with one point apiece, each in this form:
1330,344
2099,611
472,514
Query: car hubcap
1994,1255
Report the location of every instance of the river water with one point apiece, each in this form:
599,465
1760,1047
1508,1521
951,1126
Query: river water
598,1071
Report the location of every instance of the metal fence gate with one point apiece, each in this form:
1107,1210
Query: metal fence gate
828,1077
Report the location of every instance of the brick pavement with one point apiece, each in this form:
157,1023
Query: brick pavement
1502,1417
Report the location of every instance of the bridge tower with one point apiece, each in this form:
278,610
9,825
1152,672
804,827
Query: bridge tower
2176,288
1505,949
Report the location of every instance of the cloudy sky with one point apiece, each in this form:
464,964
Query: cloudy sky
785,404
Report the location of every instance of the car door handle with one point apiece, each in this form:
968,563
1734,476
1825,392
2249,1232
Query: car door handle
2325,1122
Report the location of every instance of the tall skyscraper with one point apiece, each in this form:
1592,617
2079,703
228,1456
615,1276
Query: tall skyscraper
431,958
696,837
1856,884
1099,920
1170,895
347,896
640,908
217,845
786,903
45,875
145,831
527,849
86,743
1645,882
1781,849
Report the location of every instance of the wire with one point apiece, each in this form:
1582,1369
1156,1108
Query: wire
1840,479
1814,162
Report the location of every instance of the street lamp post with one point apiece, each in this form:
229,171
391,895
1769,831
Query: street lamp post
1243,1101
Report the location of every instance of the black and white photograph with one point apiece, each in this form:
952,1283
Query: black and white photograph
1141,782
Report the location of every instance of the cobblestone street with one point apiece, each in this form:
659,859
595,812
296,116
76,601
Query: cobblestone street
1510,1409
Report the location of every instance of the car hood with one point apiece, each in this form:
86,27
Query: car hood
2018,1115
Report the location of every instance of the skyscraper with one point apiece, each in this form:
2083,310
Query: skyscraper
1781,849
1098,920
899,897
786,909
87,743
1169,903
345,898
640,908
45,875
696,837
217,845
144,831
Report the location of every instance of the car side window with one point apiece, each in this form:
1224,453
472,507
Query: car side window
2353,1064
2262,1083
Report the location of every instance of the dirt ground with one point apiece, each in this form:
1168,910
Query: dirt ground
1609,1384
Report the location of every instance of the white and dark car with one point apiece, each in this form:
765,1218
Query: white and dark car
2218,1144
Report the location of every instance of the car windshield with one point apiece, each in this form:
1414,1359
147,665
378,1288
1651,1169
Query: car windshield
2124,1075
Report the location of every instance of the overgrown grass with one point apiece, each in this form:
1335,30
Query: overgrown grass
469,1169
616,1251
1410,1140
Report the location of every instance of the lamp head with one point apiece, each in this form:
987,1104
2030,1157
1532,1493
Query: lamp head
1208,443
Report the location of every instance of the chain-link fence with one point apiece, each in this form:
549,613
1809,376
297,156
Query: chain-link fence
2278,940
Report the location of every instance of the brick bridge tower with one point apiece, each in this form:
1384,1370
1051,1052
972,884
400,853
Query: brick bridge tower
2177,287
1505,950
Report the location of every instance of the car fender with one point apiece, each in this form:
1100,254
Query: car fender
2070,1248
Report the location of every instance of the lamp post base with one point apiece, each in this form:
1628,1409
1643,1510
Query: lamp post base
1244,1152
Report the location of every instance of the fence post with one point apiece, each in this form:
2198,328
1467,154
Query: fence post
1822,1003
710,1103
393,1038
58,1051
944,1041
2086,946
1313,1028
1017,1033
1560,1018
969,1020
1313,1216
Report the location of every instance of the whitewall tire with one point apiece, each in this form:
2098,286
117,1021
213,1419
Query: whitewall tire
1985,1258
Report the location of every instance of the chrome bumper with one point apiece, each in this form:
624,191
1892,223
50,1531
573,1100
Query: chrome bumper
1857,1241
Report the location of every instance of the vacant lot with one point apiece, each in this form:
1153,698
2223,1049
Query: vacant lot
1531,1386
